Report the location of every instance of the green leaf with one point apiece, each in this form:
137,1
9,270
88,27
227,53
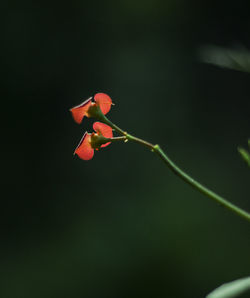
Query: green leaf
231,289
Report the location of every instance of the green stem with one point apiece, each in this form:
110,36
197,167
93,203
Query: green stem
212,195
184,176
114,139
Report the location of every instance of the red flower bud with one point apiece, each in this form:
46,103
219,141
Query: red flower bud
98,105
89,142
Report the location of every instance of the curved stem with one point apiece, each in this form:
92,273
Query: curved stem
184,176
212,195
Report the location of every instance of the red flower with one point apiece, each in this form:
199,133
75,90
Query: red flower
90,108
96,140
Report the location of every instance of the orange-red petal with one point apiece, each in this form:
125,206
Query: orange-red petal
78,112
104,130
84,149
104,102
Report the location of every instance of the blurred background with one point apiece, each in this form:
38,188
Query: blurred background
121,225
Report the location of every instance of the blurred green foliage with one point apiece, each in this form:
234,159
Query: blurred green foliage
121,225
237,59
244,155
232,289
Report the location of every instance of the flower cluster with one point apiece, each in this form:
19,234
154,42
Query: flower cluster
96,106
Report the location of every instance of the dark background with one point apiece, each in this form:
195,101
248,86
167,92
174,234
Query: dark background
121,225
